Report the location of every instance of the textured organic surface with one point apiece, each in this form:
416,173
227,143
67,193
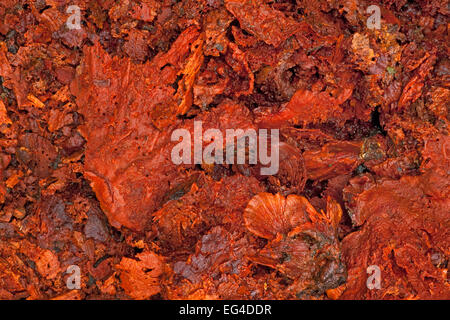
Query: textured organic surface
87,178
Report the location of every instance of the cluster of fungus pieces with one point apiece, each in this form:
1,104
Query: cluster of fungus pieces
87,177
404,230
302,243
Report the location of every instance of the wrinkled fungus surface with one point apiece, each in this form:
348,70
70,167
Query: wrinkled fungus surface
88,182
